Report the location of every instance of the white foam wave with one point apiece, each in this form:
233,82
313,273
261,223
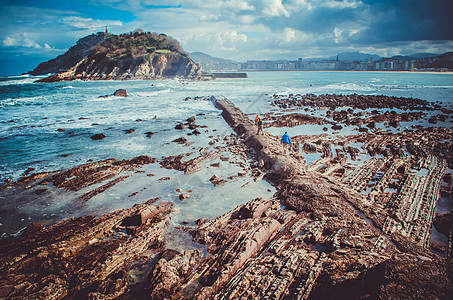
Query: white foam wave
20,80
38,100
347,87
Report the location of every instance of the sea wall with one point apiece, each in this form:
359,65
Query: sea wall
230,75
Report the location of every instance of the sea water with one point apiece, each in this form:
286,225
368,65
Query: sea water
47,126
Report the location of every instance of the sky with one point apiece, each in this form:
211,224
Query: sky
33,31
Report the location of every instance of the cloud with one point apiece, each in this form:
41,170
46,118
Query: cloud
23,40
78,22
239,29
401,20
9,41
275,8
303,27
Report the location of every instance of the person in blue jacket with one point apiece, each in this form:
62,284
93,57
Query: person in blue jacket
286,141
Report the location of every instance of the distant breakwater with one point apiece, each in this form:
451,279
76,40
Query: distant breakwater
225,75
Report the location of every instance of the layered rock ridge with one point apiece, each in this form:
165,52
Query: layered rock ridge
319,238
329,240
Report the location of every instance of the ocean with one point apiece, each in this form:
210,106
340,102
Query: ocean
47,127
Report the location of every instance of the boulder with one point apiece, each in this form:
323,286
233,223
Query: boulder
191,119
242,173
149,134
214,178
394,123
363,129
181,140
432,120
98,136
180,126
120,93
183,196
371,125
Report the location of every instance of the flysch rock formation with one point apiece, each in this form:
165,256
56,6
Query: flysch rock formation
404,172
83,258
338,215
319,238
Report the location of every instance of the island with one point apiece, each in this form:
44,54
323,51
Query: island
134,55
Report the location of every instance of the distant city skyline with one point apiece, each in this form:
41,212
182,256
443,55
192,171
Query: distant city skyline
241,30
352,61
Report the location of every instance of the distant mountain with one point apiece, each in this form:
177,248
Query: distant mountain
135,55
448,55
210,63
423,55
355,56
403,58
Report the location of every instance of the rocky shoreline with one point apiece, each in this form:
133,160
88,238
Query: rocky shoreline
320,237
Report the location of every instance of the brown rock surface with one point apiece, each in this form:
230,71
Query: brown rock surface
320,238
98,136
120,93
295,119
87,257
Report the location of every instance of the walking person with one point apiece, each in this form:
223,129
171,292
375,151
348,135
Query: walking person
260,126
286,141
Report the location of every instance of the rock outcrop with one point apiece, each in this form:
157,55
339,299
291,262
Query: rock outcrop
70,58
346,240
137,55
319,237
83,258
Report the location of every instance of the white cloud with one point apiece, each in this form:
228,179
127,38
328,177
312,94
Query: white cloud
236,29
9,41
88,23
341,4
288,35
298,5
275,8
337,35
233,37
23,40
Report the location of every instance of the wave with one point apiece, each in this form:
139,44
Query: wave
19,79
38,100
344,86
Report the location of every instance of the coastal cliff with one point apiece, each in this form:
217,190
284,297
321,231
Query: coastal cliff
104,56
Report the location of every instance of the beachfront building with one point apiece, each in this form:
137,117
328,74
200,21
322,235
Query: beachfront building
442,62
